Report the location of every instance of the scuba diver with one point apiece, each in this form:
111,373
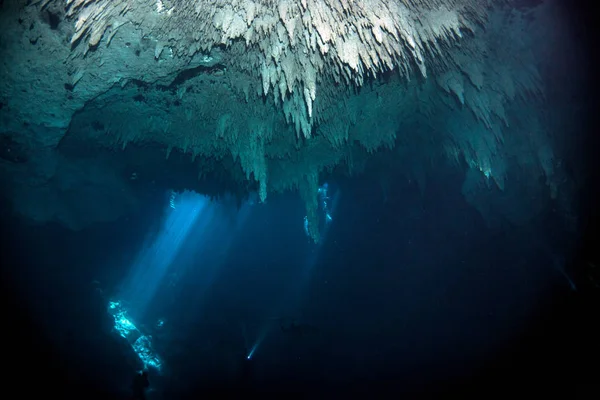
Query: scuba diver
246,376
247,371
140,384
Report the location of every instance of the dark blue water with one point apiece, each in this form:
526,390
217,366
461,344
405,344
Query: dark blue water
409,293
412,295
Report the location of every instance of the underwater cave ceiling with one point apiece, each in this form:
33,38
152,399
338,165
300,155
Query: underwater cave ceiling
268,95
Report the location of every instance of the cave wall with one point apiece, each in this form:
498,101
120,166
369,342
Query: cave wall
273,99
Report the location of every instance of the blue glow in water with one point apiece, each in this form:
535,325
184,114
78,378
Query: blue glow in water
139,342
326,207
260,339
252,351
153,261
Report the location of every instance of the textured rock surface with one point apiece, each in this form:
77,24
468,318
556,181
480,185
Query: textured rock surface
268,95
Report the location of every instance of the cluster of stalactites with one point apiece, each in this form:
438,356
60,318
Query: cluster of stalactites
309,54
293,46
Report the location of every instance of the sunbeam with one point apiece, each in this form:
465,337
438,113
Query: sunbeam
183,257
155,259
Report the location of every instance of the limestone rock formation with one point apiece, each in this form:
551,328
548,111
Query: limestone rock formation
269,95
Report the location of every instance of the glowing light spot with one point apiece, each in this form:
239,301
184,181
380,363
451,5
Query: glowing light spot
140,343
252,351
